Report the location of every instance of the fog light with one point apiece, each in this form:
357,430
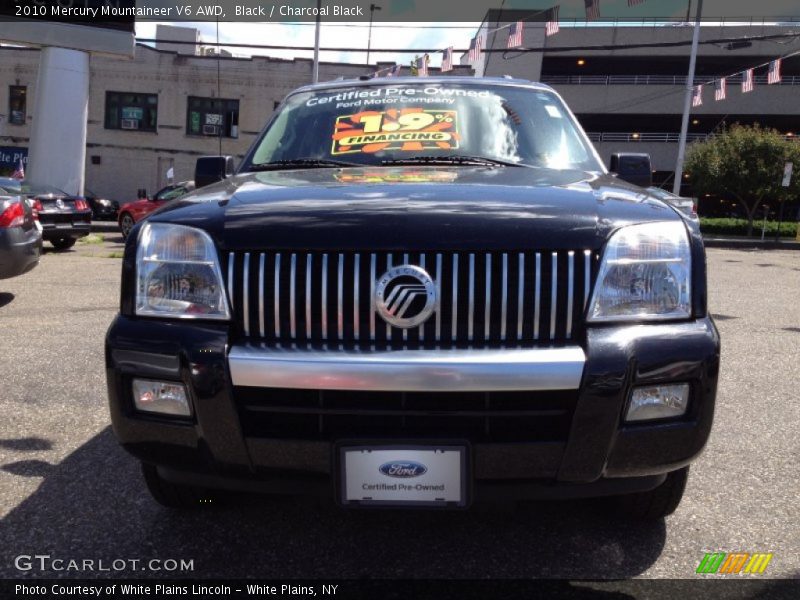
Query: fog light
162,397
658,402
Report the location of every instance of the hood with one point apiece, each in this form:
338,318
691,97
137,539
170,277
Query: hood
414,208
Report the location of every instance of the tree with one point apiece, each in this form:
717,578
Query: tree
745,162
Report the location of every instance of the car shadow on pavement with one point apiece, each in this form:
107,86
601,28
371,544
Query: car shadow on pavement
94,505
6,298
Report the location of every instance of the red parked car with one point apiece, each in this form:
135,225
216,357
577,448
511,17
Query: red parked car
133,212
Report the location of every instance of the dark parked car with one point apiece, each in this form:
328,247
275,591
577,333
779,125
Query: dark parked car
20,237
64,218
416,293
103,209
132,212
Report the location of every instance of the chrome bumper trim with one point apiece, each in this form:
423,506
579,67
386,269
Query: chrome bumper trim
408,370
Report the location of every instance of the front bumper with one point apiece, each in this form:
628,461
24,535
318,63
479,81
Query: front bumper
19,251
221,445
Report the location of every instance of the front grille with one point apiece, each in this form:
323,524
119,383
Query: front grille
473,416
486,299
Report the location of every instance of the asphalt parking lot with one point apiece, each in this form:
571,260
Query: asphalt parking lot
68,491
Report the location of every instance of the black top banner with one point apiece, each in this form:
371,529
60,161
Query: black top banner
122,13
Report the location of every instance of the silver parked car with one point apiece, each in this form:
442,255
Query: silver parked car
20,236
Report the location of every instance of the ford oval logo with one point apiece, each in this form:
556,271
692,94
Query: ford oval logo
403,468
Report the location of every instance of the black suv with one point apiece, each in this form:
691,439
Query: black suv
416,292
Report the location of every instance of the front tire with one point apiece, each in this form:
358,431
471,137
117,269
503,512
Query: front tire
657,503
174,495
63,243
126,223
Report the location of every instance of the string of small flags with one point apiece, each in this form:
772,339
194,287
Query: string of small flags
419,66
774,76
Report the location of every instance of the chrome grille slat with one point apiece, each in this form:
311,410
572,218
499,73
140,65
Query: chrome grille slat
487,309
504,299
570,290
246,294
372,276
277,295
553,294
438,279
520,294
231,271
471,315
309,262
356,313
587,265
340,298
522,298
405,331
388,327
261,260
324,296
422,327
537,296
293,298
454,329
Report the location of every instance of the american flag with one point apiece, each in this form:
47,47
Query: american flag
475,47
720,89
19,172
515,35
422,65
592,9
447,61
747,81
697,97
635,2
551,26
774,74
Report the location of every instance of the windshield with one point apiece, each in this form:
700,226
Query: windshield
382,124
170,192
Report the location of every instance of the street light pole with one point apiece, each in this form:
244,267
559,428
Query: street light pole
687,103
315,78
372,9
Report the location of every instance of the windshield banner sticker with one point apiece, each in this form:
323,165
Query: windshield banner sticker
407,129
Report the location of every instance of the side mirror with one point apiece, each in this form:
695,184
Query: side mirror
633,168
141,193
211,169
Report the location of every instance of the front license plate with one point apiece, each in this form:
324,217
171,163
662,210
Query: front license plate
403,475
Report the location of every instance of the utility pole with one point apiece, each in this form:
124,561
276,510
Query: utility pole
372,9
315,78
687,103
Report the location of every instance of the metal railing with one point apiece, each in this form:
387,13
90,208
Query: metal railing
653,79
615,136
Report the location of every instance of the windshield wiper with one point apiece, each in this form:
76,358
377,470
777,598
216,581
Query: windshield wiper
456,159
301,163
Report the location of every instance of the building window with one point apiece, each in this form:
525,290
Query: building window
17,102
212,117
129,110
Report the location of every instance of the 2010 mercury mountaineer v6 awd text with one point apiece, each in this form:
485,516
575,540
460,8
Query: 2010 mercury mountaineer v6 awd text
415,292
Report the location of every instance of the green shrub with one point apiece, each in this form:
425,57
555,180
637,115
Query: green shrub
711,226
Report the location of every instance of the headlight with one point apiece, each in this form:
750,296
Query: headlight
178,274
645,275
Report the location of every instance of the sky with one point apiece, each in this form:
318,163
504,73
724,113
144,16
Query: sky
384,35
